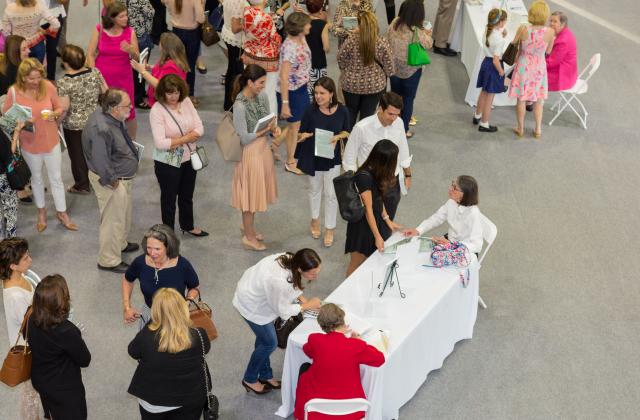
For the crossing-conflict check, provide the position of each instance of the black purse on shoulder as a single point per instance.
(18, 173)
(211, 410)
(349, 201)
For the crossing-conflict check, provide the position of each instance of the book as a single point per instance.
(349, 22)
(264, 122)
(140, 149)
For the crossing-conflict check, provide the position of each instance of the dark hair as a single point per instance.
(391, 99)
(328, 84)
(110, 14)
(252, 72)
(382, 163)
(12, 49)
(411, 14)
(469, 188)
(166, 235)
(330, 317)
(168, 84)
(73, 56)
(304, 260)
(314, 6)
(178, 6)
(296, 22)
(11, 252)
(51, 302)
(111, 98)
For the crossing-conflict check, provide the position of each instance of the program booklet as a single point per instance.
(264, 122)
(349, 22)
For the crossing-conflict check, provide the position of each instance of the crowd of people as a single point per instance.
(277, 88)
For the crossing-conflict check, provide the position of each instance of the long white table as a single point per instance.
(422, 328)
(466, 37)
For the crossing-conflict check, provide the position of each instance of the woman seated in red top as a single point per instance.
(335, 372)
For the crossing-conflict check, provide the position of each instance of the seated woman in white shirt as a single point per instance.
(460, 212)
(270, 289)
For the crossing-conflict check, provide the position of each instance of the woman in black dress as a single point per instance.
(374, 179)
(327, 114)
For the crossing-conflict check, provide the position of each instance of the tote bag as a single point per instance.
(416, 54)
(228, 139)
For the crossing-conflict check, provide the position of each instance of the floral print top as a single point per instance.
(529, 76)
(299, 55)
(83, 90)
(345, 8)
(399, 39)
(262, 39)
(358, 78)
(140, 16)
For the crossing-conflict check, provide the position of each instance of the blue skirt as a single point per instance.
(298, 103)
(489, 79)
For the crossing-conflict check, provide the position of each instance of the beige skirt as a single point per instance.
(254, 180)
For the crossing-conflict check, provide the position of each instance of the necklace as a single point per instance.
(157, 270)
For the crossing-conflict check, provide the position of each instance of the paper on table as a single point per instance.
(407, 252)
(323, 146)
(357, 324)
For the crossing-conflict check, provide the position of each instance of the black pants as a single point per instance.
(191, 40)
(78, 163)
(52, 51)
(392, 200)
(159, 25)
(234, 68)
(139, 90)
(176, 183)
(185, 412)
(390, 8)
(362, 105)
(303, 368)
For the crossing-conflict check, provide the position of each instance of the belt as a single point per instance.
(126, 178)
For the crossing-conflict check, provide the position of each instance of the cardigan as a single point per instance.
(562, 65)
(168, 379)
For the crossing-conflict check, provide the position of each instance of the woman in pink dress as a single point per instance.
(111, 48)
(529, 77)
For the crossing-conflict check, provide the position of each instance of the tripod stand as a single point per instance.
(392, 271)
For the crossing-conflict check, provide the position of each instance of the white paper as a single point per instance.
(407, 254)
(140, 148)
(144, 58)
(323, 146)
(264, 122)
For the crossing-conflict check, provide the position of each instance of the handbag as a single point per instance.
(211, 411)
(416, 53)
(16, 367)
(201, 316)
(284, 328)
(349, 200)
(228, 139)
(510, 54)
(198, 157)
(208, 33)
(452, 253)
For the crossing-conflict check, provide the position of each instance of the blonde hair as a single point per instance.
(494, 18)
(367, 36)
(24, 69)
(170, 318)
(539, 13)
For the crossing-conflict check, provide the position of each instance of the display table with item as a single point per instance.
(420, 329)
(466, 37)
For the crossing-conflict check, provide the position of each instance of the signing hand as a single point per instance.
(314, 304)
(130, 315)
(379, 243)
(303, 136)
(410, 232)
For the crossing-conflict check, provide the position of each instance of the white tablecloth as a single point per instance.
(466, 37)
(422, 329)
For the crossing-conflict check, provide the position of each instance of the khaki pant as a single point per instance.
(115, 219)
(444, 20)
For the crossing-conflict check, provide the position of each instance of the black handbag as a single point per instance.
(349, 201)
(510, 54)
(284, 328)
(18, 173)
(211, 410)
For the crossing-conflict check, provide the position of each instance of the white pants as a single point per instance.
(270, 90)
(52, 161)
(321, 182)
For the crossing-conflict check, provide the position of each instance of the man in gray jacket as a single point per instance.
(112, 159)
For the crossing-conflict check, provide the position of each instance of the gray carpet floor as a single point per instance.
(562, 331)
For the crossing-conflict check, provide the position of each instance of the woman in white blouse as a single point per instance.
(17, 295)
(460, 212)
(270, 289)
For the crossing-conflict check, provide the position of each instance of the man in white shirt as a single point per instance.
(384, 124)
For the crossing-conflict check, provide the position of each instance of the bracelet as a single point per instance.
(285, 102)
(385, 218)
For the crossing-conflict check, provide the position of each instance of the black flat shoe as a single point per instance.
(202, 70)
(26, 200)
(202, 233)
(120, 268)
(490, 129)
(448, 52)
(249, 389)
(476, 121)
(269, 384)
(131, 247)
(529, 107)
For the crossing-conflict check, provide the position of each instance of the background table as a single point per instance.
(423, 328)
(466, 37)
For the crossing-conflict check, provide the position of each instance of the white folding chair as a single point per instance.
(579, 88)
(489, 233)
(335, 407)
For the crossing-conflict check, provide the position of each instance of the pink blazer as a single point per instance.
(562, 63)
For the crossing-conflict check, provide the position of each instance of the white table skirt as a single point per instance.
(423, 329)
(469, 26)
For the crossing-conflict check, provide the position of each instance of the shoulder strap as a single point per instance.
(172, 117)
(24, 327)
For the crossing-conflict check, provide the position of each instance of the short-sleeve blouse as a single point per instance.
(83, 90)
(180, 277)
(299, 55)
(262, 39)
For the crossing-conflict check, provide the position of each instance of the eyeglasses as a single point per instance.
(128, 106)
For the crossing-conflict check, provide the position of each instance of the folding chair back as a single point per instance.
(335, 407)
(592, 67)
(489, 233)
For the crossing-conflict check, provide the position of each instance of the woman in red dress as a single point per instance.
(335, 372)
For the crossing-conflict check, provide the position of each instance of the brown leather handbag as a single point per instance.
(208, 33)
(201, 316)
(17, 365)
(511, 53)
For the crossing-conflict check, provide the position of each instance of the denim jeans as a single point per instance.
(259, 366)
(406, 88)
(38, 51)
(52, 51)
(191, 40)
(140, 92)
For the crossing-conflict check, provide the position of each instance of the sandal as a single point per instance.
(291, 167)
(519, 134)
(74, 190)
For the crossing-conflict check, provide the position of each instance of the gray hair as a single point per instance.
(166, 235)
(111, 98)
(330, 317)
(564, 20)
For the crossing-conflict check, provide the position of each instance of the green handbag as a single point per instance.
(416, 54)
